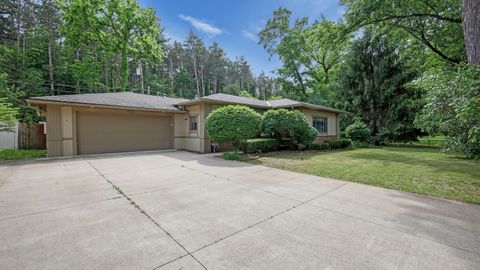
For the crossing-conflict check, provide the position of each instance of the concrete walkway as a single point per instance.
(178, 210)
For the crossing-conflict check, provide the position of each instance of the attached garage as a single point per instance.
(108, 132)
(108, 122)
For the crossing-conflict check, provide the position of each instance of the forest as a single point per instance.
(400, 68)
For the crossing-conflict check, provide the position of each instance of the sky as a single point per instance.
(234, 24)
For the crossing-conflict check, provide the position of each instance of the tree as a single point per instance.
(437, 25)
(452, 108)
(374, 86)
(7, 115)
(308, 53)
(118, 26)
(233, 124)
(471, 30)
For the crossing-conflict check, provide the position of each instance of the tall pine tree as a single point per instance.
(374, 86)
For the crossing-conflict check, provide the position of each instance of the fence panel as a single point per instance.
(8, 139)
(31, 136)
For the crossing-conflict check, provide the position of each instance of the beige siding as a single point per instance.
(195, 141)
(67, 131)
(54, 131)
(331, 118)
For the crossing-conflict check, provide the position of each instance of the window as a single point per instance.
(320, 124)
(193, 123)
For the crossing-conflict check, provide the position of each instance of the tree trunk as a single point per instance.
(50, 66)
(124, 68)
(471, 30)
(196, 75)
(203, 82)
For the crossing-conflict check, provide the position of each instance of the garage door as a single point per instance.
(109, 132)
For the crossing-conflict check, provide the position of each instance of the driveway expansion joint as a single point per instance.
(123, 194)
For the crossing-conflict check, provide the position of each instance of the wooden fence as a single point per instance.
(31, 136)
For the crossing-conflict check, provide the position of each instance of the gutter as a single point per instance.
(92, 105)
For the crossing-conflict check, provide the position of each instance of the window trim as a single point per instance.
(315, 119)
(190, 117)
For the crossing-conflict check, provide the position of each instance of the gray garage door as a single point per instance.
(109, 132)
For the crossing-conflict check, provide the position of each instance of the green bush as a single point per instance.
(288, 123)
(358, 131)
(331, 145)
(306, 136)
(231, 155)
(260, 145)
(233, 124)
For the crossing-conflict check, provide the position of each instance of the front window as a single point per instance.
(193, 123)
(320, 124)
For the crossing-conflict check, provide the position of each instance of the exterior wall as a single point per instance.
(185, 139)
(54, 131)
(333, 129)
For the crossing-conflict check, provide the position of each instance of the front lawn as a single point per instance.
(13, 154)
(413, 169)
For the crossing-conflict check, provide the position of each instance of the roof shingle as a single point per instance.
(140, 101)
(121, 99)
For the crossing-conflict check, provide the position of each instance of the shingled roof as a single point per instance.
(117, 99)
(252, 102)
(140, 101)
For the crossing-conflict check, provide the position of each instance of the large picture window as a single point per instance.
(320, 124)
(193, 123)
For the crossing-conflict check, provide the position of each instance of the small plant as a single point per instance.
(231, 155)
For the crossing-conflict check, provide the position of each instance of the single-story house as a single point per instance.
(121, 122)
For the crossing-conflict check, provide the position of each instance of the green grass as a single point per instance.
(434, 142)
(14, 154)
(413, 169)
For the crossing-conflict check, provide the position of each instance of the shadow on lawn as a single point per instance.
(449, 164)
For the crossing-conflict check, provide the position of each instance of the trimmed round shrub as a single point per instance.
(233, 124)
(306, 136)
(288, 123)
(358, 131)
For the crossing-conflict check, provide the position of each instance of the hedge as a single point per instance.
(331, 145)
(260, 145)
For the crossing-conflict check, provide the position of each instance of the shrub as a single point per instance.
(358, 131)
(231, 155)
(233, 124)
(260, 145)
(331, 145)
(287, 123)
(307, 136)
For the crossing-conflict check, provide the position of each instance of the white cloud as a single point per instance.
(249, 35)
(201, 26)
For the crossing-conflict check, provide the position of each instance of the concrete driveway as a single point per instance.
(178, 210)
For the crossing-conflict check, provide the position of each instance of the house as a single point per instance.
(121, 122)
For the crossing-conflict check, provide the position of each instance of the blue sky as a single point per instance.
(235, 24)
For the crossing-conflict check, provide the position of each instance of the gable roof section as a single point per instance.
(228, 99)
(252, 102)
(157, 103)
(117, 99)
